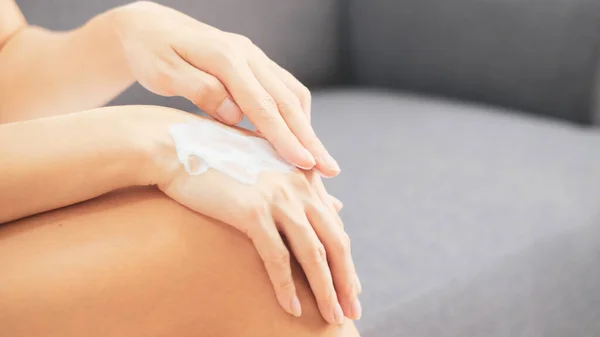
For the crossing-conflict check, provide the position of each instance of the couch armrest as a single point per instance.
(537, 56)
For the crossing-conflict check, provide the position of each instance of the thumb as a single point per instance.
(208, 94)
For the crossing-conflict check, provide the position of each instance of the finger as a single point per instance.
(228, 63)
(296, 87)
(311, 255)
(317, 184)
(291, 110)
(261, 109)
(276, 258)
(207, 93)
(337, 244)
(337, 204)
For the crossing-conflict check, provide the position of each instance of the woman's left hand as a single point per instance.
(224, 74)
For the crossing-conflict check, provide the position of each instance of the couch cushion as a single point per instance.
(466, 220)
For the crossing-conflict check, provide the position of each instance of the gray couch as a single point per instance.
(471, 169)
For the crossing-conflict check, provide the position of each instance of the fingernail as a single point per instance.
(307, 157)
(356, 309)
(229, 112)
(328, 161)
(295, 308)
(338, 314)
(321, 174)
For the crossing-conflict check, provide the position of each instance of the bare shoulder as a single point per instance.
(11, 20)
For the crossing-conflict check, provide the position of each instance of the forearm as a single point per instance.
(58, 161)
(44, 72)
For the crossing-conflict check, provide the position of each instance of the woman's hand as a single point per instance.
(224, 74)
(294, 204)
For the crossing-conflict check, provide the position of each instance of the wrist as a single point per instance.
(147, 128)
(111, 26)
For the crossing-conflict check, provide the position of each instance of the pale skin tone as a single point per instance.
(170, 54)
(102, 150)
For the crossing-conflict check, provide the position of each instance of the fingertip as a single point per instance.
(229, 112)
(295, 307)
(356, 309)
(338, 314)
(325, 172)
(305, 160)
(328, 166)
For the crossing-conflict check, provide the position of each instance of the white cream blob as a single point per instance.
(202, 145)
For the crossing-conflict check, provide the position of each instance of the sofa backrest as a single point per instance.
(301, 35)
(538, 56)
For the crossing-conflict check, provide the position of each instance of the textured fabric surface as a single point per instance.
(284, 29)
(537, 55)
(466, 220)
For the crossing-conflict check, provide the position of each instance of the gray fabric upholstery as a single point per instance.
(466, 220)
(284, 29)
(538, 56)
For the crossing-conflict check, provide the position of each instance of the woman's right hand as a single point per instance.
(224, 74)
(294, 204)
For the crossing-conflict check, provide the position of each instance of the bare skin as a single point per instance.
(54, 162)
(56, 151)
(170, 54)
(136, 263)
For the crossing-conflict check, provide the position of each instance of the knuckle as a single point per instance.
(241, 40)
(265, 105)
(299, 221)
(318, 208)
(286, 284)
(316, 255)
(300, 183)
(255, 210)
(342, 244)
(161, 75)
(225, 53)
(278, 259)
(304, 93)
(209, 88)
(289, 103)
(213, 86)
(144, 4)
(347, 290)
(283, 193)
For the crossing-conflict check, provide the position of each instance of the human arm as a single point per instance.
(58, 161)
(170, 54)
(45, 71)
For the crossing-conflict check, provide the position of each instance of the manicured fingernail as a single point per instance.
(338, 314)
(295, 308)
(307, 157)
(230, 112)
(328, 161)
(356, 309)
